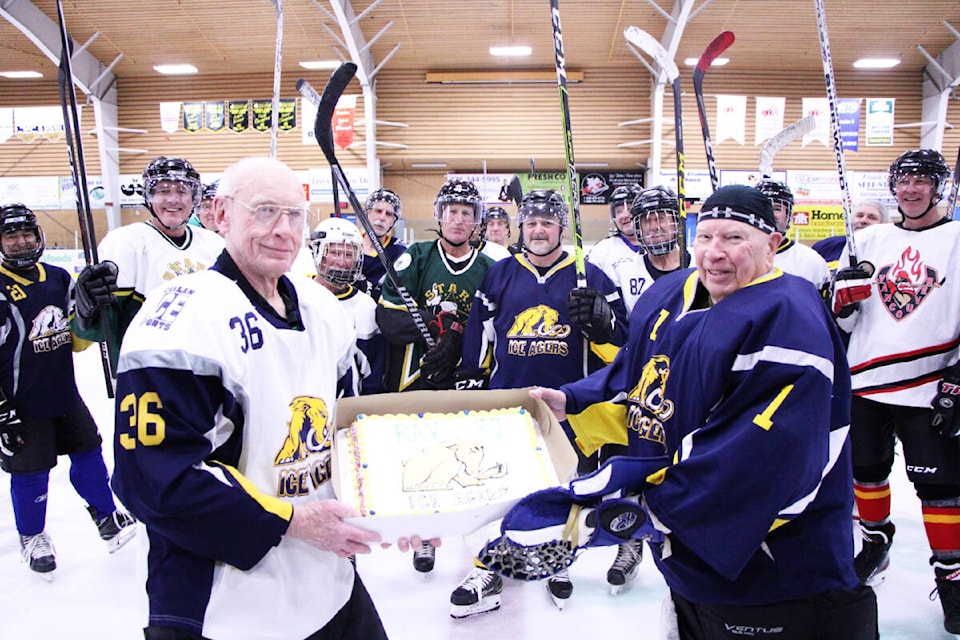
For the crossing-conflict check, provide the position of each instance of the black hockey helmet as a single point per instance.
(660, 202)
(623, 195)
(779, 193)
(542, 202)
(209, 191)
(459, 191)
(385, 195)
(17, 217)
(497, 213)
(921, 162)
(172, 169)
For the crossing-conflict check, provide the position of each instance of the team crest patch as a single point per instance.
(301, 470)
(168, 307)
(905, 285)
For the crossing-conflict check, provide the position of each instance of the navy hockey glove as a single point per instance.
(850, 286)
(11, 430)
(546, 531)
(946, 417)
(95, 287)
(592, 314)
(440, 363)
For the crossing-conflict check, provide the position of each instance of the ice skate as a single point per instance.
(424, 558)
(478, 593)
(560, 588)
(625, 566)
(874, 557)
(948, 588)
(39, 552)
(116, 529)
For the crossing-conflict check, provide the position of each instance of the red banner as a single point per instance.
(343, 121)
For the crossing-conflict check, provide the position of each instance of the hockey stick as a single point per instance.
(717, 46)
(952, 200)
(573, 181)
(835, 122)
(71, 128)
(649, 45)
(310, 94)
(323, 131)
(277, 62)
(786, 135)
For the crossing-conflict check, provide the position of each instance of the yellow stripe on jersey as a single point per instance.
(606, 352)
(599, 424)
(270, 504)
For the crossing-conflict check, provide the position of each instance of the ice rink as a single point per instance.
(97, 595)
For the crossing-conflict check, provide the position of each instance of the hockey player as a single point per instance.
(138, 257)
(42, 414)
(496, 223)
(531, 325)
(496, 251)
(618, 255)
(245, 537)
(900, 306)
(203, 215)
(733, 377)
(794, 257)
(336, 248)
(865, 213)
(383, 209)
(441, 276)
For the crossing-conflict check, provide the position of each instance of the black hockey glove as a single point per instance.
(592, 314)
(11, 430)
(946, 417)
(445, 321)
(850, 286)
(95, 286)
(471, 379)
(440, 363)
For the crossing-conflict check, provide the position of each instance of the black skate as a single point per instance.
(625, 566)
(874, 557)
(116, 529)
(948, 588)
(424, 558)
(560, 588)
(39, 552)
(478, 593)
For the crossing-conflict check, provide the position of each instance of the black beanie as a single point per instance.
(742, 203)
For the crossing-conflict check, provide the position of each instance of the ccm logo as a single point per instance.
(927, 470)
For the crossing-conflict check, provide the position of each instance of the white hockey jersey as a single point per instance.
(624, 265)
(800, 260)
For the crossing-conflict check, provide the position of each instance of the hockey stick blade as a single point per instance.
(717, 46)
(322, 128)
(786, 135)
(650, 46)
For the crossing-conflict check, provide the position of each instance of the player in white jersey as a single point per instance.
(137, 258)
(337, 254)
(494, 246)
(620, 255)
(900, 305)
(246, 540)
(793, 257)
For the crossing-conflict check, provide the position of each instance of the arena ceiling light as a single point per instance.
(319, 65)
(876, 63)
(175, 69)
(21, 75)
(717, 62)
(518, 51)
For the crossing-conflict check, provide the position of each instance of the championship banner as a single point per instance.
(192, 116)
(849, 111)
(33, 123)
(239, 115)
(170, 116)
(6, 123)
(596, 186)
(819, 108)
(262, 114)
(215, 115)
(879, 122)
(769, 118)
(731, 118)
(343, 120)
(287, 120)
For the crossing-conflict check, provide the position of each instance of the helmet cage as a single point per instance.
(921, 162)
(462, 192)
(656, 202)
(328, 235)
(17, 217)
(779, 193)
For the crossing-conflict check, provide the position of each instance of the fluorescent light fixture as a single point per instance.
(511, 52)
(717, 62)
(20, 75)
(175, 69)
(319, 65)
(876, 63)
(428, 165)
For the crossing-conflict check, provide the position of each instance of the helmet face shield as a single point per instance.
(21, 238)
(166, 174)
(458, 192)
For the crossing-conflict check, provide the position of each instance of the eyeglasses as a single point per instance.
(268, 214)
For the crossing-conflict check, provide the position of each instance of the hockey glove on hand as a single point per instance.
(546, 531)
(591, 312)
(95, 286)
(850, 286)
(945, 417)
(440, 363)
(443, 322)
(11, 430)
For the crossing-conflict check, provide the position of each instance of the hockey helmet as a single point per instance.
(779, 193)
(623, 195)
(660, 204)
(385, 195)
(545, 203)
(921, 162)
(17, 217)
(209, 191)
(337, 235)
(459, 191)
(174, 170)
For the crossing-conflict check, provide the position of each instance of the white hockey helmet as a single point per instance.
(340, 236)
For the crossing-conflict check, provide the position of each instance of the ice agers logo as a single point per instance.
(307, 431)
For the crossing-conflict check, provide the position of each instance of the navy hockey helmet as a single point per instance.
(545, 203)
(336, 238)
(174, 170)
(660, 205)
(621, 196)
(385, 195)
(779, 193)
(17, 217)
(497, 213)
(462, 192)
(921, 162)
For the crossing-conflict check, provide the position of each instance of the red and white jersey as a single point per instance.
(908, 330)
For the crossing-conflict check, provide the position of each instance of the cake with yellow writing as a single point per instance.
(400, 464)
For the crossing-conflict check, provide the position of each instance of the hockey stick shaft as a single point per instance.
(323, 131)
(786, 135)
(572, 178)
(835, 125)
(717, 46)
(310, 94)
(277, 65)
(71, 128)
(952, 200)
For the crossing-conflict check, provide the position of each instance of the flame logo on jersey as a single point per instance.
(307, 431)
(905, 285)
(49, 330)
(540, 321)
